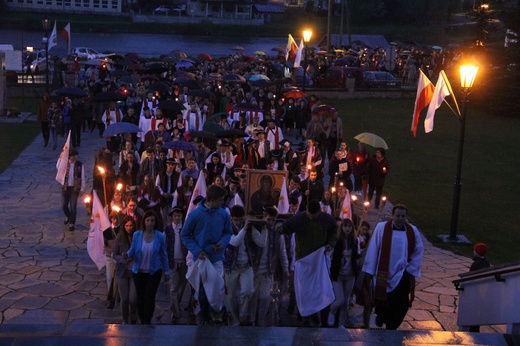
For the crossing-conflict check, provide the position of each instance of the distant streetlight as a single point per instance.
(307, 34)
(46, 24)
(467, 77)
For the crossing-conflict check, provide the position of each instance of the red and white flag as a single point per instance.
(283, 200)
(346, 210)
(424, 96)
(442, 89)
(199, 190)
(65, 34)
(98, 223)
(61, 164)
(291, 50)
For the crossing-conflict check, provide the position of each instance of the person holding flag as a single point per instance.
(73, 187)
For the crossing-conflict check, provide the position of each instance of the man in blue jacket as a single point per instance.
(206, 233)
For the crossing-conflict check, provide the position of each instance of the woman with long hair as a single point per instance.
(184, 193)
(123, 272)
(150, 261)
(214, 168)
(343, 271)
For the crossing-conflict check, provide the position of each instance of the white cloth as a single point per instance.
(398, 255)
(312, 286)
(203, 271)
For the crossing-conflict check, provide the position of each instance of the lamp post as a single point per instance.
(467, 77)
(307, 34)
(46, 24)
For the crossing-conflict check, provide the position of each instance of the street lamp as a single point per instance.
(307, 34)
(467, 77)
(46, 24)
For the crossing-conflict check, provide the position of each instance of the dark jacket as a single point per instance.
(337, 256)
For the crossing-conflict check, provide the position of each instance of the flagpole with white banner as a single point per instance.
(283, 200)
(63, 160)
(98, 223)
(199, 190)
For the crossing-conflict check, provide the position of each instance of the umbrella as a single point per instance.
(183, 74)
(180, 145)
(199, 93)
(179, 54)
(244, 107)
(237, 48)
(372, 139)
(149, 78)
(129, 79)
(118, 73)
(161, 87)
(233, 77)
(71, 92)
(183, 63)
(191, 84)
(231, 133)
(324, 109)
(259, 52)
(121, 127)
(258, 77)
(260, 83)
(108, 96)
(93, 62)
(201, 134)
(214, 76)
(213, 127)
(205, 57)
(295, 94)
(136, 67)
(437, 47)
(156, 67)
(171, 105)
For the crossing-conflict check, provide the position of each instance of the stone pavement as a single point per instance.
(47, 276)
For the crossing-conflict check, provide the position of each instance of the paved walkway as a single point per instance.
(47, 276)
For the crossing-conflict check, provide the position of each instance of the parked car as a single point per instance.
(380, 79)
(89, 53)
(38, 62)
(336, 77)
(163, 9)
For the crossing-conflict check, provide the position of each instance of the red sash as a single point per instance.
(384, 259)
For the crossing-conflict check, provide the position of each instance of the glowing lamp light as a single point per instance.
(87, 199)
(467, 75)
(307, 34)
(116, 209)
(101, 169)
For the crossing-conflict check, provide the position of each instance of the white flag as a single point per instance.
(61, 164)
(299, 52)
(199, 190)
(283, 200)
(53, 39)
(442, 89)
(346, 210)
(98, 223)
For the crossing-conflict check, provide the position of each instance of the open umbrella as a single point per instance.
(171, 105)
(191, 84)
(108, 96)
(183, 63)
(161, 87)
(372, 139)
(200, 93)
(70, 92)
(201, 134)
(204, 57)
(258, 77)
(180, 145)
(233, 77)
(136, 67)
(156, 68)
(151, 79)
(244, 107)
(295, 94)
(231, 133)
(133, 56)
(237, 48)
(213, 127)
(214, 76)
(179, 54)
(259, 52)
(129, 79)
(121, 127)
(183, 74)
(260, 83)
(324, 109)
(437, 47)
(127, 62)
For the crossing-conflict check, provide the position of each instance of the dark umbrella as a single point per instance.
(108, 96)
(191, 84)
(214, 76)
(183, 74)
(71, 92)
(121, 127)
(202, 134)
(233, 77)
(237, 48)
(161, 87)
(231, 133)
(260, 83)
(179, 54)
(136, 67)
(156, 68)
(150, 79)
(217, 117)
(283, 80)
(200, 93)
(170, 105)
(119, 73)
(324, 109)
(129, 79)
(213, 127)
(244, 107)
(180, 145)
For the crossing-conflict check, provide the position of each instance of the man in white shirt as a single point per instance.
(392, 262)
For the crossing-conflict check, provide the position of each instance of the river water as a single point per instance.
(147, 45)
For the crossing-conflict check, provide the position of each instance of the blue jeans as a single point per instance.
(69, 203)
(53, 136)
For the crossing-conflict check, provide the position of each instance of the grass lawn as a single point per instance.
(423, 171)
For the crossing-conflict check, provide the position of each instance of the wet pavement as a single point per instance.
(47, 277)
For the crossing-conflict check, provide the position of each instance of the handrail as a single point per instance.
(495, 271)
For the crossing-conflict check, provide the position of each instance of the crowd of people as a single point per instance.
(239, 256)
